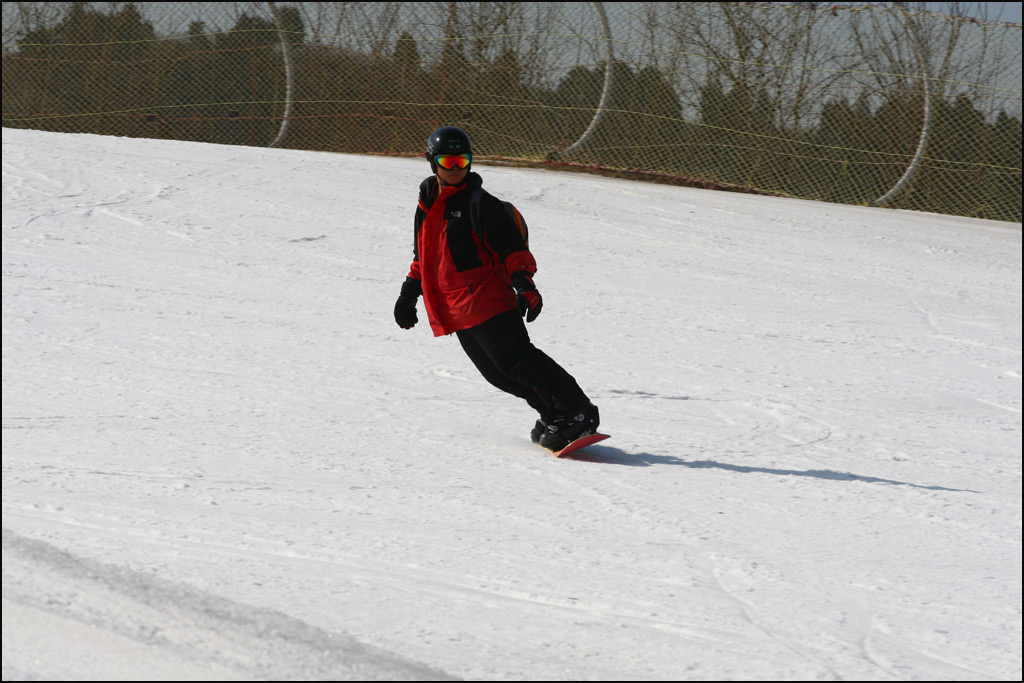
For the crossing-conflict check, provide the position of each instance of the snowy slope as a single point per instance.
(815, 469)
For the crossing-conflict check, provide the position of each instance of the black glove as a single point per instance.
(530, 301)
(405, 307)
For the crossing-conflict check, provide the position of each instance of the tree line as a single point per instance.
(107, 73)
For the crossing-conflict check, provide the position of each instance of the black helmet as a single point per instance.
(447, 140)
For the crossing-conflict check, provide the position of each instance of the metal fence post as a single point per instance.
(926, 125)
(289, 78)
(606, 93)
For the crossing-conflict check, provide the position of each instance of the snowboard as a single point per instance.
(579, 443)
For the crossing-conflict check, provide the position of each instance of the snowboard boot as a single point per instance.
(565, 428)
(537, 430)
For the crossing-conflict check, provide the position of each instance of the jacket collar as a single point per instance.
(430, 189)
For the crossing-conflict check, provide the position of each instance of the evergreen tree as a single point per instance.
(642, 113)
(86, 64)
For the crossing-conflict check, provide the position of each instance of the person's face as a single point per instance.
(452, 177)
(452, 168)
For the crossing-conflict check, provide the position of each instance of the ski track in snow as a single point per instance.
(158, 630)
(216, 441)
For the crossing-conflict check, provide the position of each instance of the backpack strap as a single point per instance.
(474, 209)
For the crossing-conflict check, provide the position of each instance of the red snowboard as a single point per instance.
(579, 443)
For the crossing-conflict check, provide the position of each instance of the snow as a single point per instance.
(223, 459)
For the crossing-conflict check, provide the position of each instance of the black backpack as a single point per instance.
(510, 210)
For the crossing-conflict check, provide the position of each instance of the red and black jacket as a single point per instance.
(465, 273)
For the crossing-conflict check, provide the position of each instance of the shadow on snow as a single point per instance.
(615, 456)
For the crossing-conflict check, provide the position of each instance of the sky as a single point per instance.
(987, 11)
(223, 460)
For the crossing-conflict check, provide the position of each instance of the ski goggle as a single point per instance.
(450, 162)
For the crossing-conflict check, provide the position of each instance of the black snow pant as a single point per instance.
(501, 350)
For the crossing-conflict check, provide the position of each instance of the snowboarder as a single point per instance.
(476, 279)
